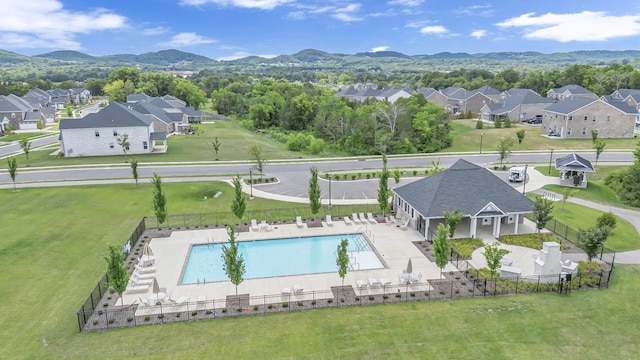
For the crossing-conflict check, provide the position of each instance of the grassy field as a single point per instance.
(467, 138)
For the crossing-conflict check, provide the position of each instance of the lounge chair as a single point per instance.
(145, 269)
(286, 291)
(264, 226)
(135, 281)
(202, 301)
(348, 221)
(137, 288)
(362, 285)
(417, 279)
(384, 282)
(297, 289)
(405, 224)
(362, 218)
(374, 283)
(254, 225)
(145, 302)
(356, 219)
(299, 222)
(141, 276)
(329, 220)
(180, 300)
(371, 218)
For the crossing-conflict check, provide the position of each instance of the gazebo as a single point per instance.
(573, 170)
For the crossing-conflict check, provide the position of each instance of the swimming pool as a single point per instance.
(280, 257)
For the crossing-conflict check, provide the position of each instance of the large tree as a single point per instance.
(314, 192)
(13, 170)
(232, 260)
(542, 212)
(342, 259)
(383, 187)
(239, 203)
(117, 273)
(159, 200)
(441, 247)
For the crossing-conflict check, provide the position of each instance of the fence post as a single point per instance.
(484, 288)
(517, 282)
(600, 281)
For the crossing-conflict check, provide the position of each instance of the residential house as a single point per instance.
(16, 110)
(630, 96)
(392, 94)
(486, 201)
(517, 105)
(174, 101)
(434, 96)
(570, 91)
(161, 120)
(97, 134)
(576, 118)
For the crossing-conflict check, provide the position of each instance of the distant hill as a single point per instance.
(379, 54)
(67, 55)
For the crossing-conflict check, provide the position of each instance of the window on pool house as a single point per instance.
(144, 145)
(115, 132)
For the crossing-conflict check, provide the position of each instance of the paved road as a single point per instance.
(14, 147)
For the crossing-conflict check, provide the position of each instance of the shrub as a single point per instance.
(426, 293)
(341, 300)
(412, 294)
(95, 322)
(100, 312)
(208, 312)
(194, 313)
(161, 316)
(357, 298)
(371, 298)
(385, 296)
(498, 123)
(415, 172)
(239, 309)
(507, 123)
(178, 315)
(353, 177)
(300, 303)
(398, 295)
(606, 219)
(313, 302)
(105, 304)
(285, 305)
(479, 124)
(368, 176)
(130, 319)
(112, 320)
(329, 301)
(337, 176)
(441, 292)
(224, 310)
(147, 318)
(255, 307)
(269, 306)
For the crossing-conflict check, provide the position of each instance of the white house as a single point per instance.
(97, 134)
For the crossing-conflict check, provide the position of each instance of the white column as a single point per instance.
(472, 228)
(426, 228)
(517, 220)
(493, 226)
(498, 218)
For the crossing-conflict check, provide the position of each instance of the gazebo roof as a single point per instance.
(574, 162)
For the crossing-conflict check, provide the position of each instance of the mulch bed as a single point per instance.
(314, 223)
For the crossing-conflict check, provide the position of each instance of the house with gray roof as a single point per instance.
(570, 91)
(575, 118)
(97, 134)
(573, 170)
(16, 110)
(486, 201)
(516, 105)
(630, 96)
(434, 96)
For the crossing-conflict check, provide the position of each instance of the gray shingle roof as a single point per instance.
(570, 105)
(146, 108)
(511, 102)
(113, 115)
(574, 162)
(574, 89)
(465, 186)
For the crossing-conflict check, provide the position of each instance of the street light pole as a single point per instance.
(481, 135)
(524, 185)
(251, 183)
(329, 176)
(550, 158)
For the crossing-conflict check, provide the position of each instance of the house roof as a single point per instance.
(147, 108)
(173, 98)
(137, 97)
(14, 103)
(113, 115)
(574, 89)
(509, 103)
(465, 186)
(574, 162)
(159, 135)
(485, 90)
(570, 105)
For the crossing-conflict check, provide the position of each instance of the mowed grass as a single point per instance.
(51, 255)
(467, 138)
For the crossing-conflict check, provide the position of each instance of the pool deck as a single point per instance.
(393, 245)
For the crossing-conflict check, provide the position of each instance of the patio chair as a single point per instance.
(145, 302)
(371, 218)
(135, 281)
(362, 218)
(137, 288)
(384, 282)
(299, 222)
(362, 285)
(417, 279)
(264, 225)
(356, 219)
(297, 289)
(374, 283)
(286, 291)
(348, 221)
(180, 300)
(145, 269)
(405, 224)
(141, 276)
(329, 220)
(254, 225)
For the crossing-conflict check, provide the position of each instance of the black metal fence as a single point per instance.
(93, 301)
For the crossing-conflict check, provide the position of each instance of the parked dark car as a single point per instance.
(535, 120)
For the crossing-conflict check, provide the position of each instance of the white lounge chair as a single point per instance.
(297, 289)
(137, 288)
(371, 218)
(254, 225)
(384, 282)
(362, 218)
(145, 269)
(180, 300)
(135, 281)
(329, 220)
(286, 291)
(348, 221)
(373, 283)
(362, 285)
(355, 218)
(299, 222)
(141, 276)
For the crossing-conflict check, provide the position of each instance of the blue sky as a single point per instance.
(228, 29)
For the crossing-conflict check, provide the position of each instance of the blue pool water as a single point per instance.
(268, 258)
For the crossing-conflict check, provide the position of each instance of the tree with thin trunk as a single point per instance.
(599, 146)
(493, 254)
(216, 146)
(396, 176)
(520, 134)
(567, 192)
(232, 260)
(116, 271)
(134, 170)
(542, 212)
(594, 136)
(593, 239)
(342, 259)
(504, 149)
(452, 220)
(255, 151)
(13, 170)
(123, 141)
(25, 144)
(314, 192)
(239, 202)
(159, 200)
(383, 187)
(441, 247)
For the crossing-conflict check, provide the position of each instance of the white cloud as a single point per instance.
(158, 30)
(308, 10)
(434, 30)
(584, 26)
(380, 48)
(477, 10)
(346, 13)
(249, 4)
(408, 3)
(417, 24)
(478, 34)
(46, 24)
(187, 39)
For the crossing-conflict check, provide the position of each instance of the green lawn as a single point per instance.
(27, 135)
(467, 138)
(51, 256)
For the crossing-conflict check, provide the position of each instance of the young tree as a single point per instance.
(507, 123)
(493, 254)
(314, 192)
(452, 220)
(123, 141)
(232, 260)
(594, 136)
(383, 187)
(69, 110)
(255, 152)
(134, 170)
(606, 220)
(567, 192)
(441, 247)
(593, 239)
(216, 146)
(520, 134)
(599, 146)
(239, 202)
(13, 170)
(342, 259)
(479, 124)
(504, 149)
(498, 123)
(116, 271)
(542, 212)
(159, 199)
(25, 144)
(396, 176)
